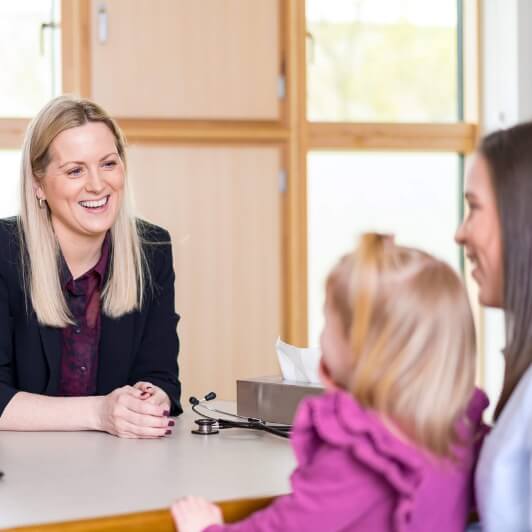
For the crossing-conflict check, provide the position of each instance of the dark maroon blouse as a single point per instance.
(80, 342)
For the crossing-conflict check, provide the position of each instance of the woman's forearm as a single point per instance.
(28, 411)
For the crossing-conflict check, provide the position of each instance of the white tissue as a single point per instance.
(298, 364)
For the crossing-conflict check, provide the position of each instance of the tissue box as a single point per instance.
(272, 399)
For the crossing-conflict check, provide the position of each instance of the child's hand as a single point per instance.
(194, 514)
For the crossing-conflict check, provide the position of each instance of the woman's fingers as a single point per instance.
(147, 389)
(124, 413)
(145, 420)
(158, 398)
(141, 406)
(152, 393)
(138, 431)
(143, 385)
(134, 391)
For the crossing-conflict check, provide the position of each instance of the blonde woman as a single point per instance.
(392, 444)
(87, 322)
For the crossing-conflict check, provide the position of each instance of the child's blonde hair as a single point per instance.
(410, 329)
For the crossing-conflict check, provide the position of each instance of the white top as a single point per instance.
(59, 476)
(504, 470)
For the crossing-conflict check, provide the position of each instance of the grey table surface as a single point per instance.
(61, 476)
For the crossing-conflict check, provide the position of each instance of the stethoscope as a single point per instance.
(211, 425)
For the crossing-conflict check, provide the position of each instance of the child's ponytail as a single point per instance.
(371, 260)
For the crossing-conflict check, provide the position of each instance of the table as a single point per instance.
(61, 476)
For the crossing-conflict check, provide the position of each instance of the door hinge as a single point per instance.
(281, 86)
(103, 24)
(282, 181)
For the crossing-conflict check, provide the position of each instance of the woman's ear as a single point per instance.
(38, 190)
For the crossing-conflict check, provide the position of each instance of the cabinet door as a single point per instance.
(222, 208)
(190, 59)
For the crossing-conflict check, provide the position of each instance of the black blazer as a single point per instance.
(142, 345)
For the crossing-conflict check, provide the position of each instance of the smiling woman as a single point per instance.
(86, 289)
(497, 237)
(83, 189)
(480, 234)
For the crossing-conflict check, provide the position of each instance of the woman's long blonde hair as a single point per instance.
(40, 251)
(410, 329)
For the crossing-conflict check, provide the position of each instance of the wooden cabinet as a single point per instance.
(222, 208)
(186, 59)
(186, 65)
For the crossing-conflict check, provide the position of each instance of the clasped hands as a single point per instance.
(139, 411)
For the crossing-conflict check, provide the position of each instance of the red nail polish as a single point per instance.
(168, 432)
(171, 423)
(166, 413)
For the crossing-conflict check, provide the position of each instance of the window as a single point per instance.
(395, 193)
(382, 73)
(29, 77)
(30, 71)
(382, 60)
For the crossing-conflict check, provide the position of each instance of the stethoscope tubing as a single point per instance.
(203, 404)
(249, 423)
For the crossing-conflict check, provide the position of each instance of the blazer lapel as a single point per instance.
(51, 341)
(116, 352)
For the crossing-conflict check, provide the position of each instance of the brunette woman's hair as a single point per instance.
(508, 154)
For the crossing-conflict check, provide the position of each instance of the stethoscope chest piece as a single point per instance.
(206, 426)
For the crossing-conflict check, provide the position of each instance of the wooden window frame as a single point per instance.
(292, 132)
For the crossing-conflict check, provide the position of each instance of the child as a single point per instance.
(392, 444)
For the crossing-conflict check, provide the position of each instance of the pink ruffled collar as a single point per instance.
(337, 419)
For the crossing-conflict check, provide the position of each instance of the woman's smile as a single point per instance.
(95, 206)
(84, 182)
(480, 234)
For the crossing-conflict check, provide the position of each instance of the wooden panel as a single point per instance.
(203, 131)
(295, 212)
(472, 62)
(183, 59)
(374, 136)
(412, 137)
(12, 132)
(156, 521)
(75, 41)
(221, 206)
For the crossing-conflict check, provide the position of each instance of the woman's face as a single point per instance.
(480, 234)
(84, 181)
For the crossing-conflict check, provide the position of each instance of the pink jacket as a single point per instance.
(355, 475)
